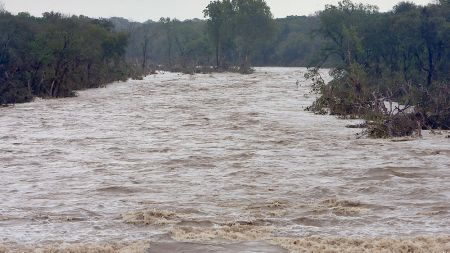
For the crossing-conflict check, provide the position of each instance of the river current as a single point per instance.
(212, 163)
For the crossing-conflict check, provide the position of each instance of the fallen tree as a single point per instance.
(397, 79)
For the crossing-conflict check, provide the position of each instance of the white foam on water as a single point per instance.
(210, 150)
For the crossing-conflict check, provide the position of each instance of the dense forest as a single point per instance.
(54, 55)
(174, 42)
(393, 68)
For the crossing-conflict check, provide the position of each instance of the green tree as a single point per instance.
(401, 56)
(55, 55)
(253, 25)
(220, 15)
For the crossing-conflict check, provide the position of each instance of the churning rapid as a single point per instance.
(213, 163)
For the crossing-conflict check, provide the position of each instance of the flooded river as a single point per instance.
(213, 163)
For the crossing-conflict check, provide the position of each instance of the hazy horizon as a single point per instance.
(142, 10)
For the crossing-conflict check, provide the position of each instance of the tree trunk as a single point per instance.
(430, 66)
(144, 54)
(217, 53)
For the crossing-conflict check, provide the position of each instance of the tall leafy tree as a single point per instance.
(254, 25)
(249, 23)
(220, 17)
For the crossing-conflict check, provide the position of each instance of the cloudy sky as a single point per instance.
(142, 10)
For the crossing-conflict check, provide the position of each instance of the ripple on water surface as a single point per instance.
(215, 162)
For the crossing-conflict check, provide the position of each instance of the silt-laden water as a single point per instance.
(228, 159)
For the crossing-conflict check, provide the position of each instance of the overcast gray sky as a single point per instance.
(142, 10)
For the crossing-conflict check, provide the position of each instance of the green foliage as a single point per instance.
(220, 25)
(254, 25)
(220, 41)
(401, 56)
(246, 24)
(212, 43)
(55, 55)
(167, 43)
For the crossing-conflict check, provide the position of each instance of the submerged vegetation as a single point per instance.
(393, 69)
(54, 55)
(227, 40)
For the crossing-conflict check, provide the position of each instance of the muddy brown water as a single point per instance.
(211, 163)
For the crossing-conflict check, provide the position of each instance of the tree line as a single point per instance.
(233, 36)
(400, 56)
(54, 55)
(232, 33)
(377, 58)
